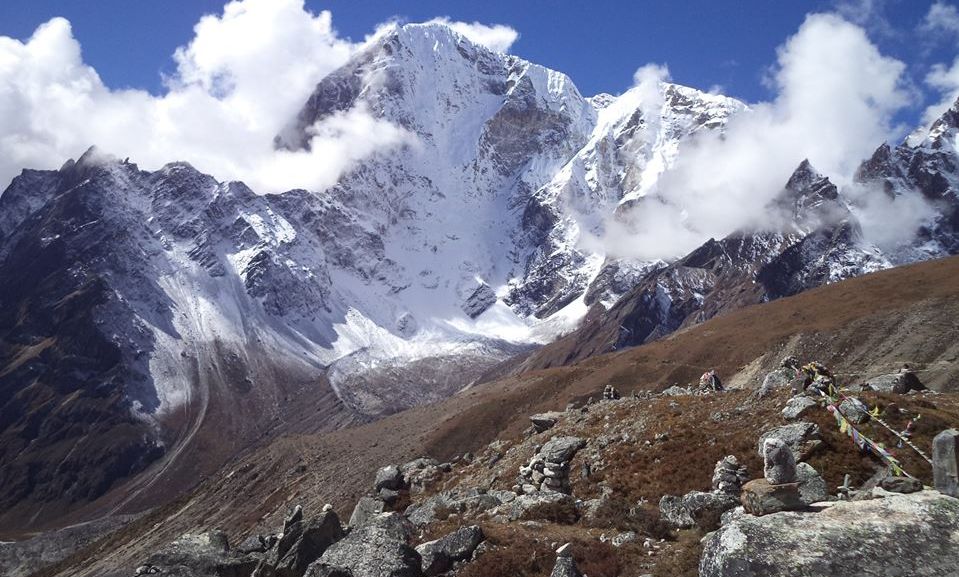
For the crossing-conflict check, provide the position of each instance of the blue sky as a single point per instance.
(600, 44)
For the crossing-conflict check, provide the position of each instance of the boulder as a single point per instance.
(205, 554)
(561, 449)
(388, 477)
(778, 379)
(544, 421)
(900, 383)
(760, 497)
(802, 437)
(301, 544)
(472, 502)
(257, 544)
(797, 407)
(901, 485)
(365, 509)
(558, 507)
(854, 410)
(812, 487)
(915, 535)
(377, 549)
(388, 496)
(438, 556)
(945, 462)
(696, 509)
(313, 537)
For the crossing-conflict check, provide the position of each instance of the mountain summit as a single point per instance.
(158, 316)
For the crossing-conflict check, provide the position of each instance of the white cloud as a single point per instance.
(867, 14)
(497, 37)
(944, 80)
(836, 96)
(238, 83)
(942, 22)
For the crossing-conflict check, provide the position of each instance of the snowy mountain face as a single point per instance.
(927, 164)
(413, 276)
(134, 305)
(816, 240)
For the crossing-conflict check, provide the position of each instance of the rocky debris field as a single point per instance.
(764, 481)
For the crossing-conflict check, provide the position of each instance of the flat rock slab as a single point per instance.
(897, 535)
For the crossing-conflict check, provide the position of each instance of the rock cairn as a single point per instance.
(610, 393)
(729, 476)
(548, 470)
(705, 510)
(778, 490)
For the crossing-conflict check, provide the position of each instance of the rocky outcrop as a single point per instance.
(696, 509)
(302, 542)
(916, 535)
(440, 555)
(203, 554)
(378, 549)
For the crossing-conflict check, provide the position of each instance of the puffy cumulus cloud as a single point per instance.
(941, 22)
(237, 84)
(836, 97)
(497, 37)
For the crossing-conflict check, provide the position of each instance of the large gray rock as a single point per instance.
(388, 477)
(378, 549)
(696, 509)
(900, 383)
(544, 421)
(302, 543)
(204, 554)
(438, 556)
(899, 535)
(802, 438)
(854, 410)
(471, 502)
(812, 487)
(561, 449)
(945, 462)
(901, 484)
(779, 465)
(797, 407)
(365, 509)
(778, 379)
(549, 505)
